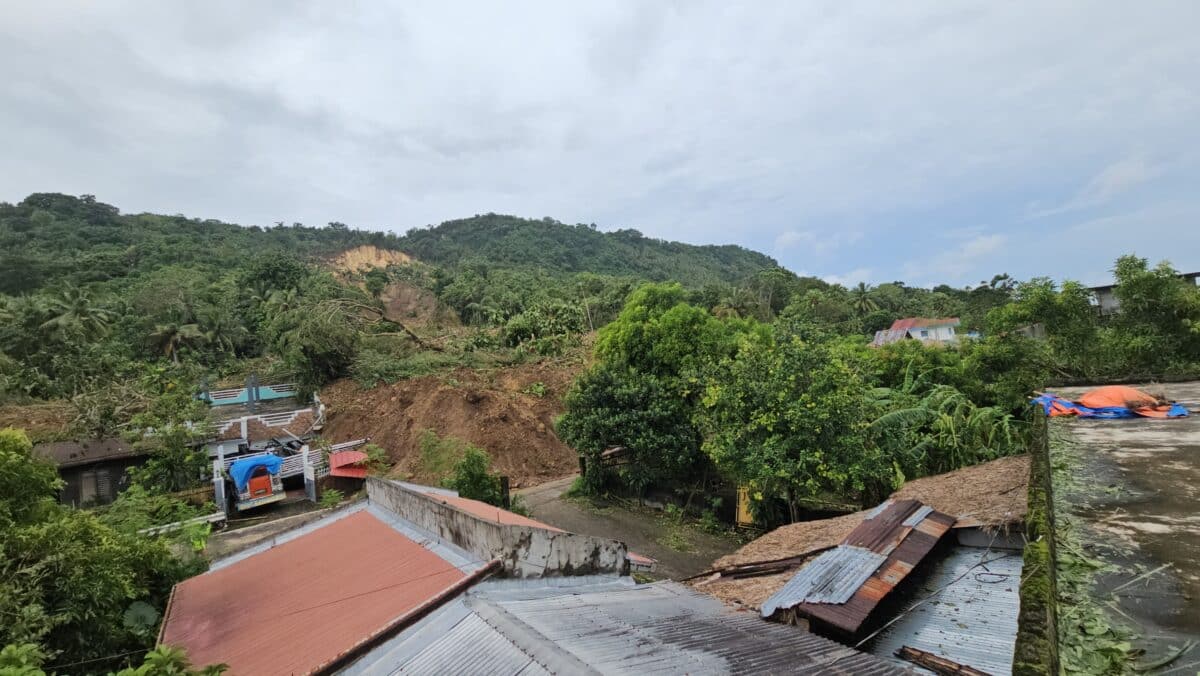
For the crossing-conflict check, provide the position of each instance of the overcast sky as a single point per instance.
(926, 141)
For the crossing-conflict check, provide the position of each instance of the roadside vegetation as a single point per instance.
(713, 367)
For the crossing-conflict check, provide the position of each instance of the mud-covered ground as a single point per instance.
(1134, 487)
(680, 549)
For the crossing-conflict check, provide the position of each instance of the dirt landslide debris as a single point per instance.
(366, 257)
(498, 410)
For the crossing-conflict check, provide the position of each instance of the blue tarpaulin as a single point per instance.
(1054, 405)
(241, 470)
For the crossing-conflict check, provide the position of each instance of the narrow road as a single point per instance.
(643, 530)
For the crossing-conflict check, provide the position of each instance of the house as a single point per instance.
(918, 328)
(417, 580)
(1106, 296)
(94, 471)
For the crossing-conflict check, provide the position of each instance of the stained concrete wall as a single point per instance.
(525, 551)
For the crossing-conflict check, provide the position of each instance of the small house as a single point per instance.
(94, 471)
(919, 328)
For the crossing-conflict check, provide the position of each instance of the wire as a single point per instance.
(983, 561)
(97, 659)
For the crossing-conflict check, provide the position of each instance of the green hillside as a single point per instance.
(550, 245)
(49, 238)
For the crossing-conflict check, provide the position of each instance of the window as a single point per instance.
(924, 333)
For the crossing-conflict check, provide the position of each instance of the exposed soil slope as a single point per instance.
(368, 256)
(415, 307)
(485, 408)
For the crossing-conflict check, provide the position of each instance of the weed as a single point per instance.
(537, 389)
(438, 454)
(331, 497)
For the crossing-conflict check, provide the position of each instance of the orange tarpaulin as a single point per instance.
(1111, 396)
(1111, 401)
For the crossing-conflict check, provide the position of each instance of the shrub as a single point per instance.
(473, 479)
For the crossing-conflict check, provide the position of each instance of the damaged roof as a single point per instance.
(991, 495)
(841, 587)
(605, 625)
(965, 610)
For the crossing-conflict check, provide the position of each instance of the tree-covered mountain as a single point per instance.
(550, 245)
(49, 238)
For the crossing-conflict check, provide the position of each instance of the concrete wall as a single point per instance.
(525, 551)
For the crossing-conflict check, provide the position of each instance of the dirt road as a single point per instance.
(681, 550)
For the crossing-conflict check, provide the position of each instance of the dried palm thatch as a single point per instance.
(990, 495)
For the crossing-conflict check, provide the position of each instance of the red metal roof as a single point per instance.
(343, 464)
(299, 605)
(922, 322)
(885, 533)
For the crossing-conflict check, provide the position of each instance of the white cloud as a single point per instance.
(953, 265)
(704, 121)
(851, 278)
(1112, 181)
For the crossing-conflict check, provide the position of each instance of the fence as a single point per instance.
(243, 395)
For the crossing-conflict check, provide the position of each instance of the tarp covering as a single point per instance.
(241, 470)
(1111, 401)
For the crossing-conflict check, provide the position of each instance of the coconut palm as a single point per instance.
(861, 300)
(73, 312)
(172, 337)
(222, 331)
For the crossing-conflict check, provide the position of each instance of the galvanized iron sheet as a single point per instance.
(606, 626)
(972, 620)
(832, 577)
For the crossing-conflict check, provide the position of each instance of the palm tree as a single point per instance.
(283, 301)
(861, 300)
(171, 338)
(222, 331)
(73, 312)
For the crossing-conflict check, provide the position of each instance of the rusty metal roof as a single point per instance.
(890, 542)
(297, 606)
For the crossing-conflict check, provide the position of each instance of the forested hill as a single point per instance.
(550, 245)
(49, 238)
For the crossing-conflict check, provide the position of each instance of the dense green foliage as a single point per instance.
(72, 577)
(644, 389)
(28, 659)
(546, 244)
(790, 409)
(473, 478)
(1156, 332)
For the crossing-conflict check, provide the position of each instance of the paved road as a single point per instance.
(643, 530)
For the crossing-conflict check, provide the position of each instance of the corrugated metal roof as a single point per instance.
(87, 451)
(832, 577)
(348, 464)
(298, 605)
(902, 532)
(973, 620)
(607, 626)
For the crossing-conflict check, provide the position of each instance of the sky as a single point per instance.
(933, 142)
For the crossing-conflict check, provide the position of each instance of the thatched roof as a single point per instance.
(990, 495)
